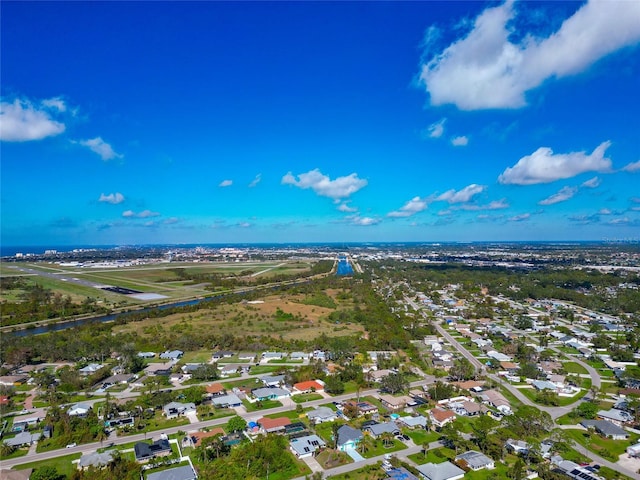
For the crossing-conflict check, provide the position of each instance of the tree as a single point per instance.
(587, 410)
(333, 385)
(205, 372)
(517, 471)
(481, 429)
(194, 394)
(462, 369)
(394, 383)
(236, 424)
(6, 449)
(47, 473)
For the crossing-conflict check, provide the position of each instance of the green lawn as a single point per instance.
(62, 464)
(380, 449)
(420, 437)
(365, 473)
(20, 452)
(260, 369)
(306, 397)
(437, 455)
(264, 405)
(501, 471)
(573, 367)
(605, 447)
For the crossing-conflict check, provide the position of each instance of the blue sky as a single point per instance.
(206, 122)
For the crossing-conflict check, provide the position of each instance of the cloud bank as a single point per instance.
(341, 187)
(23, 121)
(543, 166)
(487, 70)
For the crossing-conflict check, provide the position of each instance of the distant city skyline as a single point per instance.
(251, 122)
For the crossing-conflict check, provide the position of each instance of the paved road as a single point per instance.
(91, 447)
(555, 412)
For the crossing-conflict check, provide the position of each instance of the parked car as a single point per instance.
(71, 445)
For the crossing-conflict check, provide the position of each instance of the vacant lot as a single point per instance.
(278, 315)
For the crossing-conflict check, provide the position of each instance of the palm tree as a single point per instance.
(387, 438)
(365, 444)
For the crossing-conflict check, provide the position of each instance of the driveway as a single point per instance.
(354, 454)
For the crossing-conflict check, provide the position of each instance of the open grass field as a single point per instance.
(62, 464)
(279, 315)
(163, 279)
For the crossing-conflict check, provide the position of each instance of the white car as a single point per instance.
(71, 445)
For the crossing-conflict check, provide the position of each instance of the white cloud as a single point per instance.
(112, 198)
(460, 141)
(362, 221)
(99, 146)
(142, 214)
(564, 194)
(435, 130)
(225, 183)
(244, 225)
(341, 187)
(604, 211)
(543, 166)
(520, 218)
(344, 207)
(485, 69)
(56, 103)
(256, 180)
(591, 183)
(494, 205)
(171, 221)
(463, 195)
(632, 167)
(413, 206)
(22, 121)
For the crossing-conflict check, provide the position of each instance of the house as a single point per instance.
(615, 416)
(189, 368)
(23, 438)
(475, 460)
(146, 451)
(226, 401)
(273, 393)
(11, 380)
(119, 378)
(90, 369)
(379, 429)
(228, 370)
(439, 417)
(306, 387)
(606, 429)
(498, 357)
(23, 422)
(634, 450)
(544, 385)
(497, 400)
(299, 356)
(221, 354)
(96, 460)
(295, 428)
(413, 422)
(185, 472)
(197, 437)
(348, 438)
(159, 369)
(172, 355)
(215, 389)
(272, 380)
(471, 385)
(303, 447)
(363, 408)
(271, 425)
(573, 470)
(519, 447)
(16, 474)
(395, 403)
(378, 375)
(79, 410)
(440, 471)
(175, 409)
(322, 414)
(146, 354)
(267, 356)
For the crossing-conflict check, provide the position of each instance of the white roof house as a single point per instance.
(304, 447)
